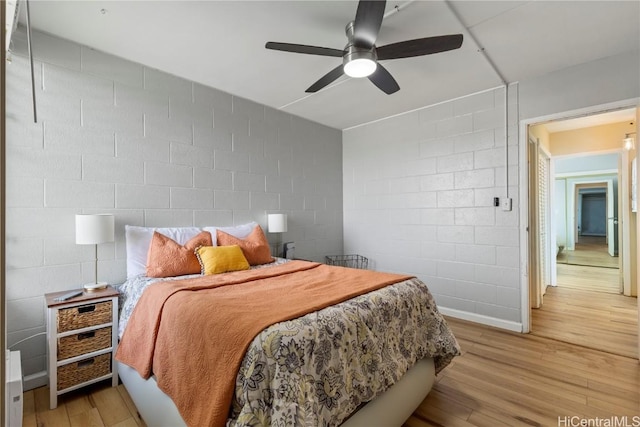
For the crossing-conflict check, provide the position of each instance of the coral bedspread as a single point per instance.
(165, 332)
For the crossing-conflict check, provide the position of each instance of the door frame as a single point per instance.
(579, 204)
(541, 254)
(525, 242)
(607, 185)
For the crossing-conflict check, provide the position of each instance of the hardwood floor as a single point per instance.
(501, 379)
(511, 379)
(588, 309)
(99, 405)
(596, 320)
(587, 278)
(589, 251)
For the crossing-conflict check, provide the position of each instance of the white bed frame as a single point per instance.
(392, 408)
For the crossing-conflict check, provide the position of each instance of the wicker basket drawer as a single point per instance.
(83, 343)
(83, 316)
(84, 370)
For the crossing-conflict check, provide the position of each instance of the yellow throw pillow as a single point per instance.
(221, 259)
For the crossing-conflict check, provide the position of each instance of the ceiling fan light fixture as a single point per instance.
(359, 62)
(361, 67)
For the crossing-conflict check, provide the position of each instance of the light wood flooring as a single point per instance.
(596, 320)
(588, 309)
(587, 278)
(98, 405)
(501, 379)
(591, 251)
(511, 379)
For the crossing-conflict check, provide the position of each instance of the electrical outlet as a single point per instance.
(496, 201)
(506, 204)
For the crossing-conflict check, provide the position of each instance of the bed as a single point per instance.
(369, 358)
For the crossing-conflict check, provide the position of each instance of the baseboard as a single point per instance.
(39, 379)
(479, 318)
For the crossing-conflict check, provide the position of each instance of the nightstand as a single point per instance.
(82, 335)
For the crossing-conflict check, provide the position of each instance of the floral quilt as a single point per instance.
(318, 369)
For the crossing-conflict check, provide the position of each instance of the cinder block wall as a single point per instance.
(418, 191)
(117, 137)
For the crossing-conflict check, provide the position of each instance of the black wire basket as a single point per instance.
(351, 261)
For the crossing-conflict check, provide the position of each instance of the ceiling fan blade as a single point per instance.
(384, 80)
(418, 47)
(326, 79)
(303, 48)
(368, 21)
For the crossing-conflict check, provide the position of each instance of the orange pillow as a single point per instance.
(167, 258)
(255, 246)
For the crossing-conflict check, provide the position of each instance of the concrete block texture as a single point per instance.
(191, 198)
(435, 180)
(142, 197)
(168, 174)
(82, 194)
(50, 49)
(115, 136)
(111, 67)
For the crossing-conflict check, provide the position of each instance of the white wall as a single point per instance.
(586, 163)
(155, 150)
(418, 198)
(560, 212)
(418, 187)
(599, 82)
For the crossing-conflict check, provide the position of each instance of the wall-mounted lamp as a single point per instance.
(628, 142)
(92, 230)
(277, 223)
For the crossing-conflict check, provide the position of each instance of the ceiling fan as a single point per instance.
(360, 56)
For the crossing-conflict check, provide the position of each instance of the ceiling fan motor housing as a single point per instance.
(352, 53)
(360, 54)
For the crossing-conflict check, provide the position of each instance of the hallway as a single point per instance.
(590, 251)
(587, 278)
(590, 319)
(587, 307)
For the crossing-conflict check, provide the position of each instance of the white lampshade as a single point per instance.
(277, 223)
(94, 229)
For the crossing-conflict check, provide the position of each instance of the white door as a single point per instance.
(544, 216)
(612, 221)
(535, 296)
(539, 223)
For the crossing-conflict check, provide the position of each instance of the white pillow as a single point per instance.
(240, 231)
(138, 240)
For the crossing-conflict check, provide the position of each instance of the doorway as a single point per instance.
(591, 262)
(586, 282)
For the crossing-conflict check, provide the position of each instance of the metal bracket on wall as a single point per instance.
(33, 80)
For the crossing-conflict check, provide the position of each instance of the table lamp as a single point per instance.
(94, 229)
(277, 223)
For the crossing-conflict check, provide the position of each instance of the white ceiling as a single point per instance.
(221, 44)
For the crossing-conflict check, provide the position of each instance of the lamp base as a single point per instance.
(90, 287)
